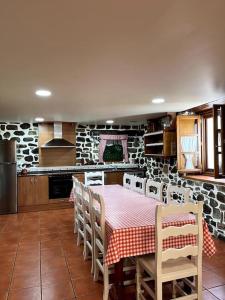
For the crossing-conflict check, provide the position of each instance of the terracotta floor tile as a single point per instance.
(219, 292)
(3, 294)
(83, 287)
(33, 293)
(50, 244)
(55, 276)
(92, 296)
(211, 279)
(4, 282)
(23, 269)
(58, 291)
(25, 281)
(206, 295)
(48, 265)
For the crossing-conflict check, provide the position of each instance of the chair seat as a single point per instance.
(171, 269)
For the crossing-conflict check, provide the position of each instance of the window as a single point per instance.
(209, 144)
(212, 145)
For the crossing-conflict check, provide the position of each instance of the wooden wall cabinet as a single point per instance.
(32, 190)
(160, 143)
(189, 127)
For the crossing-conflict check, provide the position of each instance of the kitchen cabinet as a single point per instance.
(115, 177)
(160, 138)
(79, 176)
(189, 158)
(32, 190)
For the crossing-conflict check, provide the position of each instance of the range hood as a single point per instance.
(58, 140)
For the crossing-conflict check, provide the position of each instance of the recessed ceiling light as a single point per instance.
(39, 119)
(43, 93)
(158, 100)
(109, 121)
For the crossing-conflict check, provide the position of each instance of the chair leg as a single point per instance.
(174, 289)
(158, 289)
(138, 279)
(96, 267)
(198, 282)
(106, 283)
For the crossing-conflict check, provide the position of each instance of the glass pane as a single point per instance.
(209, 143)
(219, 121)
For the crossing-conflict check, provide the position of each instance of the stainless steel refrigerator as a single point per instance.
(8, 177)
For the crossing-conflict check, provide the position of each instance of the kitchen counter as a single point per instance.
(81, 169)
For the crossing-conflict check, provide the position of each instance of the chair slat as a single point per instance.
(173, 253)
(175, 209)
(176, 230)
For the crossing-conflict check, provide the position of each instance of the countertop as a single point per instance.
(80, 169)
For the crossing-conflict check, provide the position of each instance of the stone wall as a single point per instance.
(213, 195)
(87, 141)
(87, 137)
(26, 135)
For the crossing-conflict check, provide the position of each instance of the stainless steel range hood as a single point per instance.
(58, 140)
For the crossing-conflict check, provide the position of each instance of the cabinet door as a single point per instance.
(25, 190)
(79, 176)
(114, 178)
(40, 188)
(189, 158)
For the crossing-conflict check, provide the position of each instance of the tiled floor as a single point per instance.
(39, 259)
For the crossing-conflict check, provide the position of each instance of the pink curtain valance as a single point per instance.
(109, 137)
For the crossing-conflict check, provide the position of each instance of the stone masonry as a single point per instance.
(213, 195)
(26, 135)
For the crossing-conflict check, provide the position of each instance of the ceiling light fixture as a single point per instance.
(158, 100)
(109, 121)
(43, 93)
(39, 119)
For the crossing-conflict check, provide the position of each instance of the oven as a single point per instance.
(60, 186)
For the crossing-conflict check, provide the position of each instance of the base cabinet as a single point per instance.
(114, 178)
(32, 190)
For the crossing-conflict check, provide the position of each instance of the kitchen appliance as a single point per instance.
(8, 177)
(60, 186)
(58, 141)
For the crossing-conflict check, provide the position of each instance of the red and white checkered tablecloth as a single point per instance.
(130, 224)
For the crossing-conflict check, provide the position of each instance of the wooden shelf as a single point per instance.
(189, 171)
(154, 144)
(153, 133)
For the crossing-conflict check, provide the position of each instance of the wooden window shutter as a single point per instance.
(219, 140)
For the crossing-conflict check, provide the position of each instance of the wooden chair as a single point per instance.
(88, 225)
(139, 184)
(75, 204)
(173, 264)
(79, 210)
(98, 210)
(177, 193)
(154, 190)
(94, 178)
(128, 180)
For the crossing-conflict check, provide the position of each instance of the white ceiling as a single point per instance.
(108, 59)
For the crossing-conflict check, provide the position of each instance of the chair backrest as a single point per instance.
(164, 232)
(98, 212)
(94, 178)
(154, 190)
(79, 196)
(139, 184)
(87, 204)
(128, 180)
(177, 194)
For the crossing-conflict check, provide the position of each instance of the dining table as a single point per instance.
(130, 227)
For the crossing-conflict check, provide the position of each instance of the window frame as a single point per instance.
(206, 115)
